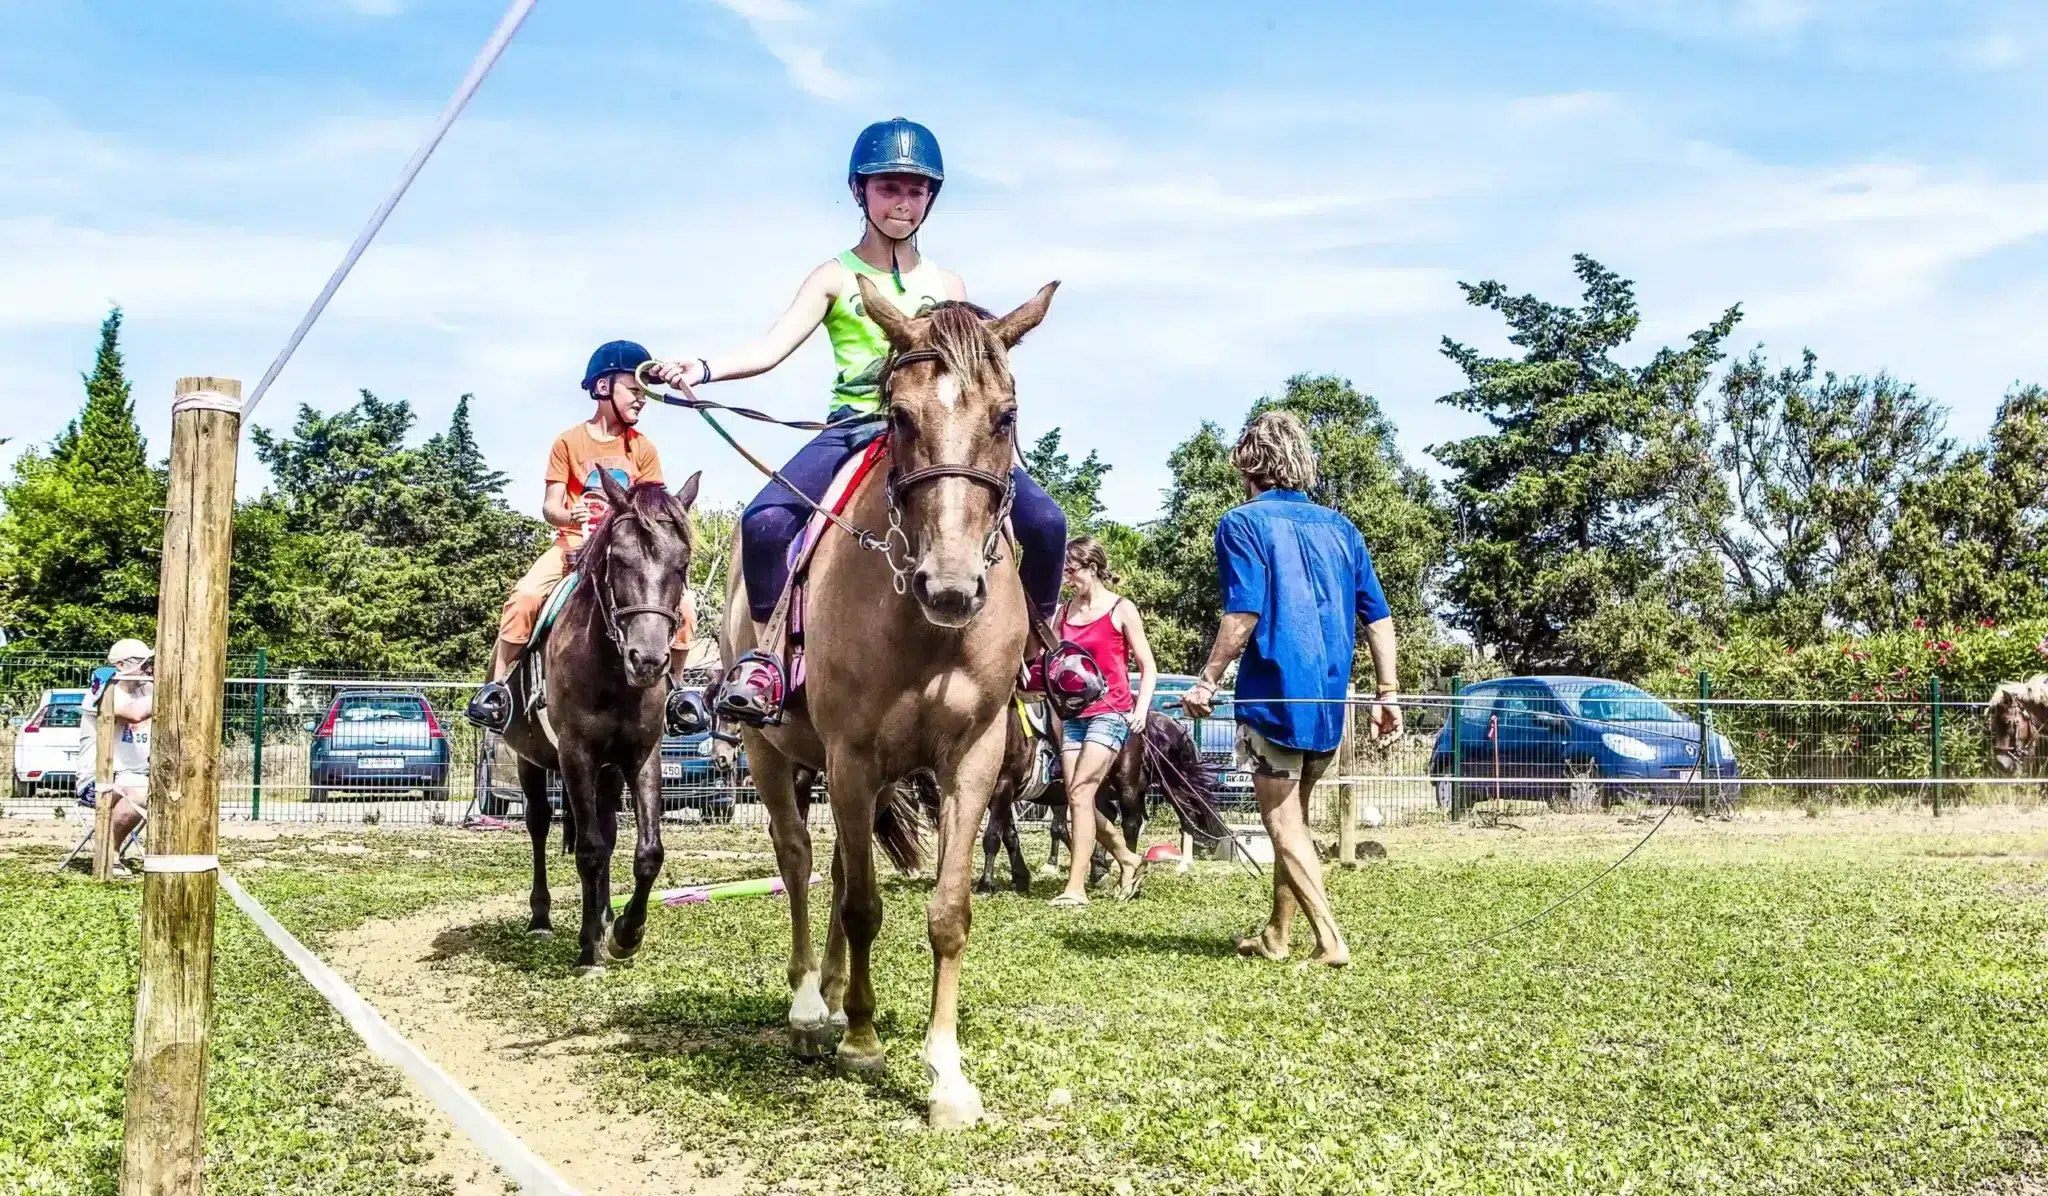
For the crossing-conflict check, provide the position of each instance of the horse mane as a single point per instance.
(644, 498)
(958, 332)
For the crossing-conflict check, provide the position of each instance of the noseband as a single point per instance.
(900, 485)
(608, 603)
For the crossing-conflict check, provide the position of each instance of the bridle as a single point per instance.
(900, 485)
(608, 603)
(2023, 754)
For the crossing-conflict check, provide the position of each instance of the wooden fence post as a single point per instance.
(104, 850)
(164, 1146)
(1347, 793)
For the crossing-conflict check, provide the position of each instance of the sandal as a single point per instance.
(1068, 901)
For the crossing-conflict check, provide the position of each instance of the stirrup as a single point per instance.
(752, 695)
(491, 708)
(686, 712)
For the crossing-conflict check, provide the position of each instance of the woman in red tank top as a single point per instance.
(1110, 629)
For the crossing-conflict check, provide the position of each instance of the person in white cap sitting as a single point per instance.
(134, 706)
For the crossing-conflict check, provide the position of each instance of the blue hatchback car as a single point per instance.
(1574, 742)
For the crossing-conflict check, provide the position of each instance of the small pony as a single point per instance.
(1165, 756)
(2017, 715)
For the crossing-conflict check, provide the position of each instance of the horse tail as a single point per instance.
(900, 818)
(1189, 784)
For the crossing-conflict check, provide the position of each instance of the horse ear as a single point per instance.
(886, 315)
(1011, 328)
(614, 493)
(688, 494)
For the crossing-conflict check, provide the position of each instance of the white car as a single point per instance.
(48, 746)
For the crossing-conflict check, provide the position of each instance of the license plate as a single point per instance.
(671, 770)
(381, 763)
(1243, 779)
(1688, 774)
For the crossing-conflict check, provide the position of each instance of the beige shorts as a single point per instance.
(1267, 759)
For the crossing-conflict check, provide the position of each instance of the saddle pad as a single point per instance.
(552, 608)
(845, 484)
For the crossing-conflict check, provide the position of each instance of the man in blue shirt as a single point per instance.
(1295, 575)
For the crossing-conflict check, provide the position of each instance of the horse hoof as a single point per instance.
(540, 932)
(615, 954)
(814, 1040)
(954, 1106)
(590, 971)
(862, 1067)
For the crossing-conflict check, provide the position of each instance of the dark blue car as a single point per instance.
(695, 785)
(1575, 742)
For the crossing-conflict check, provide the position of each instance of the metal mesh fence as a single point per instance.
(329, 745)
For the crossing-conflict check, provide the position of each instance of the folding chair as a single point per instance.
(92, 827)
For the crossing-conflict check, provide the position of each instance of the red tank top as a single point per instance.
(1112, 655)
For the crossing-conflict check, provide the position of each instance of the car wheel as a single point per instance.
(1582, 792)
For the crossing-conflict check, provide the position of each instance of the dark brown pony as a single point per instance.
(1165, 756)
(912, 656)
(600, 722)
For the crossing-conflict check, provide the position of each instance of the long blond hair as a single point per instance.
(1275, 453)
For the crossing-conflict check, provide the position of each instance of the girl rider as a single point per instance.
(895, 174)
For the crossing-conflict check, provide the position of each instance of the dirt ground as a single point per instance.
(528, 1085)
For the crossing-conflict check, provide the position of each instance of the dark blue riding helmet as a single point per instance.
(897, 146)
(612, 357)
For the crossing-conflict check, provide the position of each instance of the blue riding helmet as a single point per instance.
(897, 146)
(612, 357)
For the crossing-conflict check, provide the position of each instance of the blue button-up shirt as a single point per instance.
(1304, 570)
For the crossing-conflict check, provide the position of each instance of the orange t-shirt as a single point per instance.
(576, 458)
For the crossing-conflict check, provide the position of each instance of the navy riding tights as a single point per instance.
(775, 517)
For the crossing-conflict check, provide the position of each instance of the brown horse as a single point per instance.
(911, 655)
(2018, 717)
(601, 719)
(1165, 756)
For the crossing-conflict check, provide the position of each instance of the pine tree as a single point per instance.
(81, 532)
(1584, 511)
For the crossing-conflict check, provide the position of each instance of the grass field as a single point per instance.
(1818, 1005)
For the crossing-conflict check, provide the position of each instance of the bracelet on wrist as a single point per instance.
(706, 379)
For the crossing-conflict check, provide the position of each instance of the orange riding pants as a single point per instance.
(530, 594)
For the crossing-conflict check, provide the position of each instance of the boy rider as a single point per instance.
(575, 505)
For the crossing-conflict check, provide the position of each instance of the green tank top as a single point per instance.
(858, 345)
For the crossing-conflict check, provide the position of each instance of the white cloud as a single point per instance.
(790, 32)
(1189, 288)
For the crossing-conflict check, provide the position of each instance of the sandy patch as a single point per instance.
(529, 1086)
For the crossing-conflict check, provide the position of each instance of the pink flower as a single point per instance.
(1919, 623)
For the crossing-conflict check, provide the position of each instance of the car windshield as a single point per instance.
(1616, 703)
(380, 710)
(62, 716)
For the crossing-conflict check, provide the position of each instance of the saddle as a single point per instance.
(1045, 759)
(785, 631)
(528, 679)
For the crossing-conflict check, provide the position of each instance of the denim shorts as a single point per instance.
(1109, 730)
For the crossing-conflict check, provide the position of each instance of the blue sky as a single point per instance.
(1230, 193)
